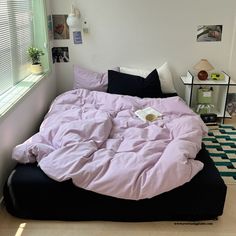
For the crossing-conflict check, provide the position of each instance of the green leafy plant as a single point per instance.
(35, 55)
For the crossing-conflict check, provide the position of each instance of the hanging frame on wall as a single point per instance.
(209, 33)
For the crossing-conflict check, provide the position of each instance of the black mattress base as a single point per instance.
(29, 193)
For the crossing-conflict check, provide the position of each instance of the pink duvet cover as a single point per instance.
(95, 139)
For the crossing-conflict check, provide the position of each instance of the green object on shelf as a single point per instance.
(204, 108)
(204, 95)
(217, 76)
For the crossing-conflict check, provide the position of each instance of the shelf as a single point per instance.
(189, 80)
(215, 111)
(218, 98)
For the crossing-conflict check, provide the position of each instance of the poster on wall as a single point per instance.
(60, 54)
(77, 36)
(60, 27)
(209, 33)
(231, 104)
(50, 28)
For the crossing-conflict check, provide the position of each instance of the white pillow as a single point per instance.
(165, 76)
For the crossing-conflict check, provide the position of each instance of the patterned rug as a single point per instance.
(221, 145)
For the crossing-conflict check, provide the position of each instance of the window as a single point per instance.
(20, 28)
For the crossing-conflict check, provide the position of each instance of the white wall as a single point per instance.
(146, 33)
(22, 121)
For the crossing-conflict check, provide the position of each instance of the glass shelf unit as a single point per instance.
(220, 92)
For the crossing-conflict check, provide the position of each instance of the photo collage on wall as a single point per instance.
(59, 30)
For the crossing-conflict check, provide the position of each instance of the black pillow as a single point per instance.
(133, 85)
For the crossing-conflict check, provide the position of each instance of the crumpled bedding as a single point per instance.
(95, 139)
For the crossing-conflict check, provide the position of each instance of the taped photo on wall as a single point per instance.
(60, 27)
(209, 33)
(60, 54)
(231, 104)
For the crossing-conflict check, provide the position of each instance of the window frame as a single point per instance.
(15, 93)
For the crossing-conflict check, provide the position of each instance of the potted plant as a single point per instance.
(35, 54)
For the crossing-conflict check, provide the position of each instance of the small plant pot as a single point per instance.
(36, 69)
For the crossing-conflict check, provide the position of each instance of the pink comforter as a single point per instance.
(95, 139)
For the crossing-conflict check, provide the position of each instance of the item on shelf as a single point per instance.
(204, 95)
(217, 76)
(204, 108)
(202, 67)
(209, 118)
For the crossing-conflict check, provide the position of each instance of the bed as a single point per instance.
(95, 159)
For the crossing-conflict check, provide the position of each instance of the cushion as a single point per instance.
(133, 85)
(91, 80)
(164, 72)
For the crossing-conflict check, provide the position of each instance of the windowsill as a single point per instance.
(10, 98)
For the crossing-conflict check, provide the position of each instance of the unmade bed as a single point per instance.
(31, 194)
(94, 158)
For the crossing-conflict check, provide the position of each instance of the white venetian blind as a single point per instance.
(16, 35)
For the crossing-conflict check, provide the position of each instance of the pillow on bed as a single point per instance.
(133, 85)
(91, 80)
(165, 76)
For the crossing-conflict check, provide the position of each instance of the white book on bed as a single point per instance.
(148, 114)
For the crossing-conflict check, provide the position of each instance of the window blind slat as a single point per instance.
(16, 36)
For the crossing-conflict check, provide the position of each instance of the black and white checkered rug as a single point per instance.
(221, 145)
